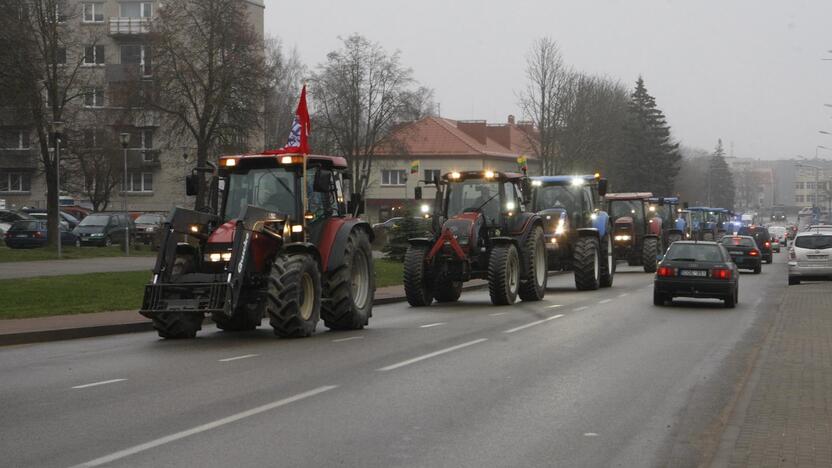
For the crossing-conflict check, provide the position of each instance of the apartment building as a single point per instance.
(811, 182)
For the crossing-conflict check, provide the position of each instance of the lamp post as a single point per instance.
(125, 141)
(58, 133)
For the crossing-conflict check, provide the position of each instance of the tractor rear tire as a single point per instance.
(293, 298)
(587, 263)
(671, 238)
(533, 281)
(350, 289)
(503, 274)
(179, 325)
(446, 290)
(418, 286)
(650, 254)
(608, 262)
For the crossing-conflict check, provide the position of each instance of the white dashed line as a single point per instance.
(237, 358)
(578, 309)
(95, 384)
(430, 355)
(205, 427)
(431, 325)
(497, 314)
(341, 340)
(554, 306)
(590, 434)
(623, 294)
(605, 301)
(523, 327)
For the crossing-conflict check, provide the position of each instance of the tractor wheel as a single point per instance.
(177, 325)
(534, 279)
(293, 298)
(674, 237)
(587, 263)
(649, 254)
(446, 290)
(503, 274)
(607, 266)
(349, 290)
(418, 286)
(247, 317)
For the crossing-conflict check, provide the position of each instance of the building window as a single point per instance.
(139, 182)
(430, 175)
(93, 12)
(94, 55)
(146, 141)
(15, 182)
(397, 177)
(136, 9)
(137, 54)
(92, 138)
(94, 97)
(798, 198)
(14, 139)
(60, 12)
(798, 185)
(60, 55)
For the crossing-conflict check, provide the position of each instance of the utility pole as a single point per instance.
(125, 141)
(58, 133)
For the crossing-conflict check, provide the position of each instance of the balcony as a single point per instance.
(124, 72)
(129, 27)
(142, 159)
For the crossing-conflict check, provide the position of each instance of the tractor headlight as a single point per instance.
(560, 228)
(537, 183)
(510, 206)
(623, 237)
(215, 257)
(425, 208)
(297, 228)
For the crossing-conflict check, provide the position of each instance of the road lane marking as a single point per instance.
(431, 355)
(341, 340)
(95, 384)
(590, 434)
(237, 358)
(554, 306)
(205, 427)
(578, 309)
(523, 327)
(605, 301)
(431, 325)
(623, 294)
(497, 314)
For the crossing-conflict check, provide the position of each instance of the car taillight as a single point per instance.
(37, 234)
(767, 244)
(721, 273)
(666, 271)
(754, 253)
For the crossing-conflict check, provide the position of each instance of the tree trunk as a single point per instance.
(202, 187)
(53, 233)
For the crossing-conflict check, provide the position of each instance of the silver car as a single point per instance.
(810, 256)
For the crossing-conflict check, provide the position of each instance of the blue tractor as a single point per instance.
(704, 223)
(578, 233)
(674, 225)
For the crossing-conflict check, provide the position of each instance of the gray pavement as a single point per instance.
(10, 270)
(581, 379)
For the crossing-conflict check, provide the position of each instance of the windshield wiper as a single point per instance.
(486, 202)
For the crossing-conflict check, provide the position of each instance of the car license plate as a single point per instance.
(693, 273)
(22, 235)
(735, 252)
(817, 257)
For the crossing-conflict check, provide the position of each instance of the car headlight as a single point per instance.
(150, 229)
(97, 234)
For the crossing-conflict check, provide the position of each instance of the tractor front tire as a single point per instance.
(650, 254)
(293, 298)
(350, 289)
(607, 266)
(534, 279)
(179, 325)
(418, 286)
(247, 317)
(446, 290)
(503, 274)
(587, 263)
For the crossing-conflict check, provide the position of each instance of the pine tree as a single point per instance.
(719, 182)
(401, 233)
(651, 159)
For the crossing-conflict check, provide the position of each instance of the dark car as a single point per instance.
(31, 233)
(8, 217)
(761, 237)
(66, 219)
(148, 226)
(698, 270)
(744, 252)
(104, 229)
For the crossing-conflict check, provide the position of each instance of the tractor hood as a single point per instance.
(223, 234)
(462, 227)
(624, 222)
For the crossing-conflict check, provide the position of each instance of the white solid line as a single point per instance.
(430, 325)
(497, 314)
(578, 309)
(205, 427)
(554, 306)
(605, 301)
(341, 340)
(523, 327)
(95, 384)
(244, 356)
(430, 355)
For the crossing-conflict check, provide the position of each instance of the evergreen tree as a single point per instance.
(408, 228)
(651, 160)
(719, 181)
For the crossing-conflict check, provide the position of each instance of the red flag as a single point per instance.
(299, 135)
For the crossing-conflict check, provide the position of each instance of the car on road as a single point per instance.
(778, 236)
(810, 256)
(698, 270)
(761, 236)
(744, 252)
(148, 227)
(31, 233)
(104, 229)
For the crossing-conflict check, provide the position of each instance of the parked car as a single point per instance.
(104, 229)
(8, 217)
(761, 236)
(67, 219)
(148, 227)
(744, 252)
(810, 256)
(31, 233)
(698, 269)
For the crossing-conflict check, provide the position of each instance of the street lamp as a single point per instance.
(124, 137)
(58, 133)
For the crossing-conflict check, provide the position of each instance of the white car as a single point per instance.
(810, 256)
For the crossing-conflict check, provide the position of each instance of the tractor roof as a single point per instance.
(563, 179)
(496, 175)
(629, 196)
(336, 161)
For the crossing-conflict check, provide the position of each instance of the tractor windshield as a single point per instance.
(631, 208)
(268, 188)
(558, 196)
(474, 195)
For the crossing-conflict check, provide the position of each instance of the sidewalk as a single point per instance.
(10, 270)
(786, 420)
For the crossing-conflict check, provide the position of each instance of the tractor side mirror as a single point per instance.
(323, 181)
(417, 193)
(356, 204)
(191, 185)
(602, 187)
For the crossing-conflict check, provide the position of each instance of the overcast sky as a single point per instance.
(749, 72)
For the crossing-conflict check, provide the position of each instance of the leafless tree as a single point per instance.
(287, 72)
(210, 76)
(359, 94)
(93, 162)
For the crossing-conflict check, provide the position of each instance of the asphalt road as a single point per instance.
(581, 379)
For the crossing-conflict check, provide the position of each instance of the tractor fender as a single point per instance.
(335, 252)
(600, 223)
(503, 240)
(303, 248)
(589, 232)
(422, 241)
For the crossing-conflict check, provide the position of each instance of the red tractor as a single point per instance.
(481, 230)
(276, 242)
(637, 228)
